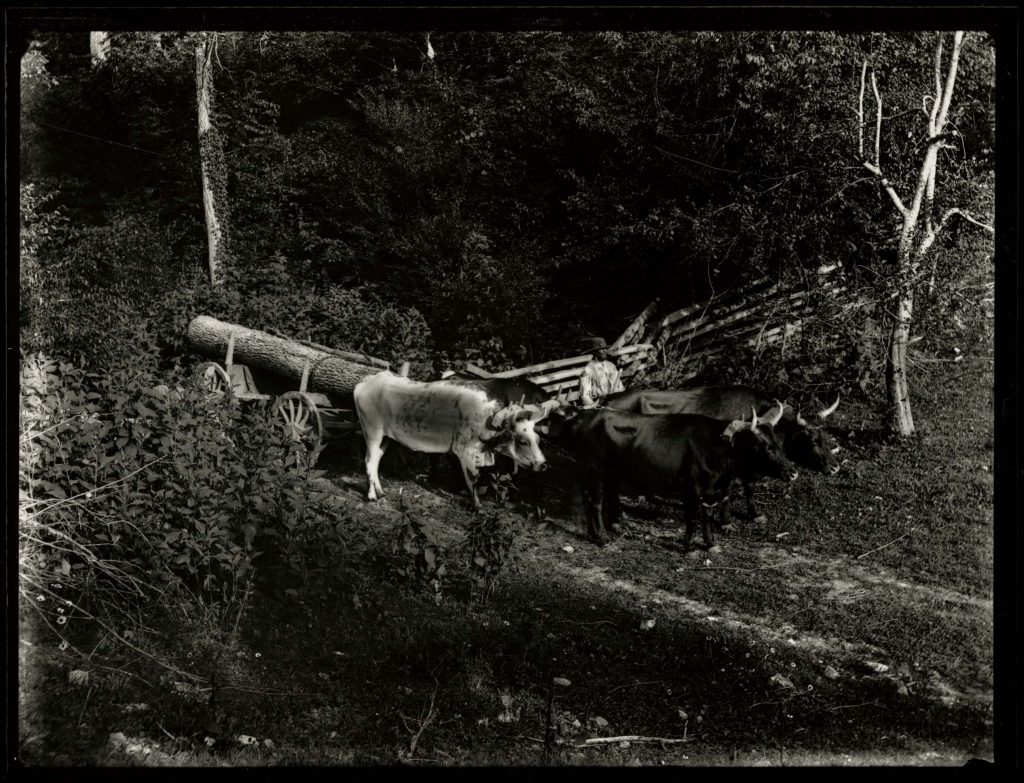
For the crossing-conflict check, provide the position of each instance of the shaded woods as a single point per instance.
(492, 202)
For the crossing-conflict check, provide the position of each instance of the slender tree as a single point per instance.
(211, 160)
(99, 45)
(919, 226)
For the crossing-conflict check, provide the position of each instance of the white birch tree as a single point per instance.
(920, 223)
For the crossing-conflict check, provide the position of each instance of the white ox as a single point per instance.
(442, 417)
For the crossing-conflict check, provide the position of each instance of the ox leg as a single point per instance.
(707, 529)
(748, 492)
(612, 509)
(725, 516)
(593, 491)
(375, 446)
(535, 492)
(471, 473)
(434, 472)
(691, 508)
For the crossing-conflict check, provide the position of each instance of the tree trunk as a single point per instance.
(99, 45)
(328, 373)
(211, 162)
(897, 387)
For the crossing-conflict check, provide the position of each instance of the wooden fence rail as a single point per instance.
(760, 313)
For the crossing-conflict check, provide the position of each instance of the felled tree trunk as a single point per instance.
(328, 373)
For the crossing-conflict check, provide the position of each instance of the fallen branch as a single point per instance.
(852, 706)
(635, 685)
(425, 720)
(632, 738)
(883, 546)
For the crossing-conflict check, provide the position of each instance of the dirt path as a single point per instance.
(647, 566)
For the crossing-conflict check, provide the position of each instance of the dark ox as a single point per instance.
(441, 418)
(674, 454)
(807, 443)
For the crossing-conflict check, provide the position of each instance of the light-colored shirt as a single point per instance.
(599, 379)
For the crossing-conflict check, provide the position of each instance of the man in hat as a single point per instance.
(601, 375)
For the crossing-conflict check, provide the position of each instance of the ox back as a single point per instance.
(727, 403)
(504, 390)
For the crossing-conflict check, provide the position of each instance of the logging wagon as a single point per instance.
(319, 409)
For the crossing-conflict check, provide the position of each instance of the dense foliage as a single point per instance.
(134, 491)
(522, 187)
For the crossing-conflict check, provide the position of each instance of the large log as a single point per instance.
(328, 373)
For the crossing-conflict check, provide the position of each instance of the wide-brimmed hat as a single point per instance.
(594, 344)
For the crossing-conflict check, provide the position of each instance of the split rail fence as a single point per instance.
(760, 313)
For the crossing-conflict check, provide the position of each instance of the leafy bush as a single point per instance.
(491, 543)
(116, 280)
(420, 561)
(139, 497)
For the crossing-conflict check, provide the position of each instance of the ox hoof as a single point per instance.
(729, 528)
(694, 554)
(760, 519)
(714, 550)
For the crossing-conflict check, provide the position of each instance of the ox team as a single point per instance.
(690, 443)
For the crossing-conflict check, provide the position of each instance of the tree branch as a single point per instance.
(860, 110)
(941, 137)
(947, 91)
(886, 185)
(932, 234)
(878, 120)
(938, 87)
(931, 155)
(966, 216)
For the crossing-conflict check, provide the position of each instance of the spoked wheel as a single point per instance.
(214, 378)
(300, 418)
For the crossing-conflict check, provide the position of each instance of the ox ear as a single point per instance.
(735, 427)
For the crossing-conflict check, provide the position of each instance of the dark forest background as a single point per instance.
(496, 201)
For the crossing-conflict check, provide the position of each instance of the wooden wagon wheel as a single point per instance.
(214, 378)
(300, 418)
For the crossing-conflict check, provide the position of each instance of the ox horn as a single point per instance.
(800, 420)
(829, 410)
(753, 421)
(772, 422)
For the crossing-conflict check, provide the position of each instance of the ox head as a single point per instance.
(758, 448)
(809, 443)
(517, 432)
